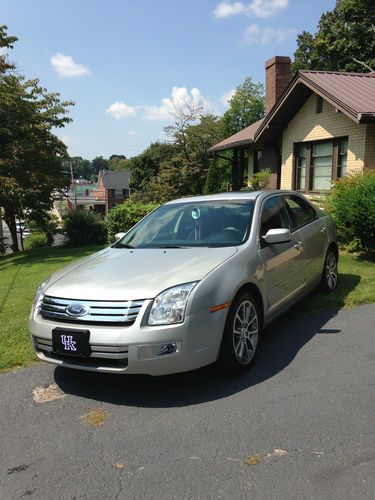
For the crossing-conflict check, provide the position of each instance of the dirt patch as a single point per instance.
(95, 417)
(47, 393)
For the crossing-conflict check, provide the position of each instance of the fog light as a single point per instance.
(150, 351)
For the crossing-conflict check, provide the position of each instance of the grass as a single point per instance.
(21, 274)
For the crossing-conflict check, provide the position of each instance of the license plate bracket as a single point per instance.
(71, 342)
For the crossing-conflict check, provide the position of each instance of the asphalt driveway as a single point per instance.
(300, 425)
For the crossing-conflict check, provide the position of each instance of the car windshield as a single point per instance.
(192, 224)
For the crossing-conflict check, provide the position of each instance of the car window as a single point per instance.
(201, 223)
(301, 212)
(274, 216)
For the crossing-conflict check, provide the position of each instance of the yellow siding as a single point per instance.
(370, 147)
(307, 125)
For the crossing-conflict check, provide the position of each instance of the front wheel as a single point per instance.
(241, 335)
(329, 277)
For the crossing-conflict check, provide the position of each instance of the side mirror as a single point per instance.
(274, 236)
(118, 236)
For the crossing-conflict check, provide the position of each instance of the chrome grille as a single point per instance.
(97, 351)
(100, 311)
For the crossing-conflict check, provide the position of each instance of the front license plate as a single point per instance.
(71, 342)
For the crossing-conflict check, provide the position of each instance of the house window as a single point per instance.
(319, 104)
(317, 164)
(118, 193)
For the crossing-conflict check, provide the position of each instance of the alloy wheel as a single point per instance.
(245, 332)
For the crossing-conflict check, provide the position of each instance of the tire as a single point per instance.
(328, 281)
(240, 336)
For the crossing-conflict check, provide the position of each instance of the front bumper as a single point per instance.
(137, 348)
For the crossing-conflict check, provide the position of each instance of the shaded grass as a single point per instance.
(21, 274)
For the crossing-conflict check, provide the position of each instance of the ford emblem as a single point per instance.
(76, 310)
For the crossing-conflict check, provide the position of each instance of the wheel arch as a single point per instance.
(255, 292)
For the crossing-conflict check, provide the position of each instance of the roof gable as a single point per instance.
(351, 93)
(114, 179)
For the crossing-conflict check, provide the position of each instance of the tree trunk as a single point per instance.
(10, 219)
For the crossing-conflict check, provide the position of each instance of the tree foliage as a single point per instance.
(352, 204)
(30, 154)
(344, 41)
(245, 108)
(122, 217)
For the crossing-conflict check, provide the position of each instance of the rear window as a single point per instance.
(300, 211)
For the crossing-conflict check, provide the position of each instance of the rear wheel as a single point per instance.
(241, 335)
(329, 277)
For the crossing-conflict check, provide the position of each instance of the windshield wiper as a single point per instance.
(121, 245)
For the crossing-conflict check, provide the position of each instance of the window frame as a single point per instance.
(282, 204)
(292, 216)
(336, 142)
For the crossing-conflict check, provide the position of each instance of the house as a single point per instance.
(318, 127)
(113, 188)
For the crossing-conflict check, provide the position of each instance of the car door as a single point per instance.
(282, 262)
(314, 235)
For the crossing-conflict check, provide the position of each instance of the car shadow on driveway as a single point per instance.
(281, 342)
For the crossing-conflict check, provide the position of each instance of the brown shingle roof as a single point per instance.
(353, 91)
(245, 136)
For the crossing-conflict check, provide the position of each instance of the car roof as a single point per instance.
(229, 196)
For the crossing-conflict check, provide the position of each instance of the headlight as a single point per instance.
(169, 306)
(40, 290)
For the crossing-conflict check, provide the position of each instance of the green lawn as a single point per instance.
(21, 274)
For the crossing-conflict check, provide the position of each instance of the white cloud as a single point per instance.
(258, 8)
(180, 98)
(121, 110)
(226, 9)
(255, 35)
(3, 51)
(66, 67)
(226, 97)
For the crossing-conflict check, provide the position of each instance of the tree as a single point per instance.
(245, 107)
(344, 41)
(118, 162)
(147, 165)
(30, 154)
(99, 163)
(6, 42)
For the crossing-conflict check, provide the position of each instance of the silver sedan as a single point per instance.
(191, 284)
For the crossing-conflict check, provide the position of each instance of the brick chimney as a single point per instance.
(278, 76)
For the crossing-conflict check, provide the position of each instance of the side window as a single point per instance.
(274, 216)
(301, 212)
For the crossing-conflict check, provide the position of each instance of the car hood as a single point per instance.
(123, 274)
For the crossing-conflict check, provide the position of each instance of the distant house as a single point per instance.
(113, 188)
(318, 127)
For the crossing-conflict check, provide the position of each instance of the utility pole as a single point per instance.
(74, 187)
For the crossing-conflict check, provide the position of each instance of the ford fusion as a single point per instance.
(191, 284)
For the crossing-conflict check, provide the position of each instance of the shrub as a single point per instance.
(45, 222)
(36, 240)
(123, 217)
(261, 180)
(352, 205)
(84, 227)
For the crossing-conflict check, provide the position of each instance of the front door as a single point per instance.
(282, 262)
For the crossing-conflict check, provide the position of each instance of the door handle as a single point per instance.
(298, 245)
(323, 229)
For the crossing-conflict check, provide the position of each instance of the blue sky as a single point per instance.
(125, 62)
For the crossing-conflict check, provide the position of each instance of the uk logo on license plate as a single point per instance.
(68, 342)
